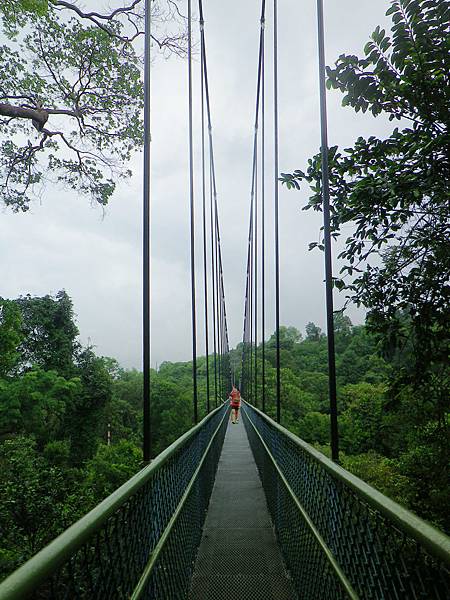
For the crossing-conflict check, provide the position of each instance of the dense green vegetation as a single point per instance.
(389, 436)
(390, 202)
(71, 421)
(58, 401)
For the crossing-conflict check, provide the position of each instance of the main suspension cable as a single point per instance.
(219, 317)
(251, 296)
(205, 271)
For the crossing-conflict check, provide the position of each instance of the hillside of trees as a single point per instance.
(58, 401)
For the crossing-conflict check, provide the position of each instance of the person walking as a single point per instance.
(235, 403)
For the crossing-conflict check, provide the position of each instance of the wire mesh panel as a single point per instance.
(327, 517)
(158, 513)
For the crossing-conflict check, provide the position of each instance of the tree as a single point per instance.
(49, 332)
(313, 332)
(35, 403)
(110, 468)
(71, 94)
(86, 416)
(10, 336)
(34, 502)
(394, 191)
(361, 421)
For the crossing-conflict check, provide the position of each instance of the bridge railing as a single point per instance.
(142, 540)
(341, 538)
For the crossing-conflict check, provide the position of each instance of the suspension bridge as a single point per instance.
(249, 510)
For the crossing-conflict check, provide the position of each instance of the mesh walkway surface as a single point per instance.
(238, 557)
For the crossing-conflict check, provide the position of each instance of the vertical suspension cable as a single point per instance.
(219, 310)
(222, 303)
(263, 243)
(327, 236)
(255, 375)
(243, 383)
(147, 432)
(277, 242)
(213, 283)
(205, 274)
(191, 196)
(250, 325)
(250, 376)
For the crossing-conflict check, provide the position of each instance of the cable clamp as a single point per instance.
(202, 25)
(263, 23)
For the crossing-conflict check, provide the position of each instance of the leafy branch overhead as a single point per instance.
(392, 194)
(71, 94)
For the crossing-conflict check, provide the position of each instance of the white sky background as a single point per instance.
(64, 242)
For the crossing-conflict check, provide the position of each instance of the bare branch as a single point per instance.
(94, 15)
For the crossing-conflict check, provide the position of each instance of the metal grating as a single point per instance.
(239, 558)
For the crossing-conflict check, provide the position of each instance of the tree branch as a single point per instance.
(39, 117)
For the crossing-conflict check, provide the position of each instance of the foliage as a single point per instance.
(57, 460)
(10, 336)
(392, 195)
(382, 473)
(390, 435)
(35, 502)
(110, 467)
(49, 332)
(85, 417)
(393, 192)
(71, 94)
(35, 403)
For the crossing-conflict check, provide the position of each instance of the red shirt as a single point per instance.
(235, 398)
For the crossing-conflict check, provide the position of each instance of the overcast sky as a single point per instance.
(64, 242)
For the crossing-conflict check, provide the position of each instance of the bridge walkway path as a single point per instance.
(239, 558)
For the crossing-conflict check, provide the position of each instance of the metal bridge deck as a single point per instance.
(238, 557)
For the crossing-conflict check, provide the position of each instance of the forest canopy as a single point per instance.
(71, 421)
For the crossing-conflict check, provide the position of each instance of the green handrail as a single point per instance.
(434, 540)
(326, 550)
(40, 567)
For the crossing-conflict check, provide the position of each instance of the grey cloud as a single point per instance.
(65, 243)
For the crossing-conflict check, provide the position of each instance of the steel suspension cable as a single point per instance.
(222, 327)
(249, 297)
(250, 380)
(192, 220)
(327, 236)
(147, 432)
(205, 273)
(213, 284)
(255, 243)
(277, 241)
(263, 235)
(217, 308)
